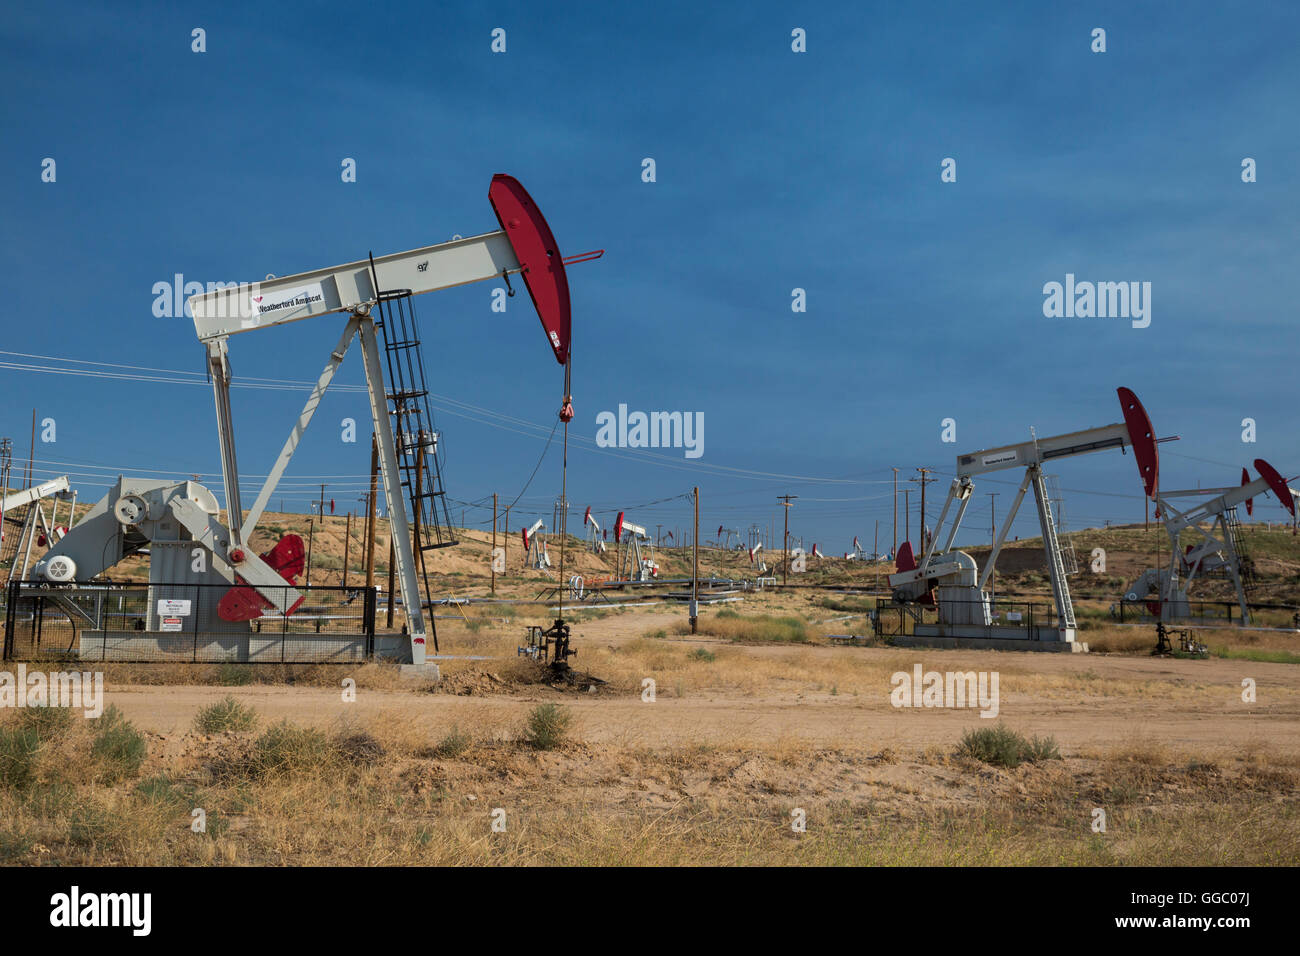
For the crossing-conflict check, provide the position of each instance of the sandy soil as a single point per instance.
(1184, 704)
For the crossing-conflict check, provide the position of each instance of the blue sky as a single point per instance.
(775, 170)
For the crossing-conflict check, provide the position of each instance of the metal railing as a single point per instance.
(140, 622)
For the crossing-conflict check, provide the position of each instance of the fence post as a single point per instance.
(10, 601)
(284, 621)
(368, 623)
(195, 608)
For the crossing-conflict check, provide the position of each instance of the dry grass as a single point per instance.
(385, 794)
(395, 790)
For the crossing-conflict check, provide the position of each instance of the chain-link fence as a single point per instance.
(187, 623)
(1010, 619)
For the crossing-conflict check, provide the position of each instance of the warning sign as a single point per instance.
(170, 624)
(173, 608)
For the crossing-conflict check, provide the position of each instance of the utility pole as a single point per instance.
(993, 538)
(311, 534)
(31, 457)
(785, 535)
(924, 480)
(321, 508)
(894, 550)
(875, 542)
(695, 565)
(494, 542)
(370, 512)
(347, 547)
(392, 561)
(907, 515)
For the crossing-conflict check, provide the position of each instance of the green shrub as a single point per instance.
(453, 744)
(1003, 747)
(118, 747)
(223, 716)
(230, 674)
(48, 723)
(286, 748)
(548, 726)
(19, 748)
(163, 791)
(703, 654)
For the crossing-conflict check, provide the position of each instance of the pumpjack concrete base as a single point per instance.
(990, 644)
(427, 671)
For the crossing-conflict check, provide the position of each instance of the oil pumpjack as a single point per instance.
(178, 520)
(635, 563)
(951, 580)
(595, 543)
(1220, 548)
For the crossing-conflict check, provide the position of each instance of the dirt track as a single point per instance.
(1192, 705)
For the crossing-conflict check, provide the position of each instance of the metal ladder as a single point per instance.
(1069, 557)
(1245, 566)
(414, 437)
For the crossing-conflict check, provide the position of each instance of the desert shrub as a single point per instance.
(225, 715)
(753, 628)
(118, 747)
(548, 726)
(286, 748)
(230, 674)
(48, 723)
(703, 654)
(19, 747)
(1003, 747)
(453, 744)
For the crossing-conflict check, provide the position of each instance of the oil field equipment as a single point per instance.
(536, 556)
(595, 543)
(175, 520)
(24, 525)
(950, 580)
(1218, 549)
(636, 561)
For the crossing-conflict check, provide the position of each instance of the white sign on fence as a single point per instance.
(170, 624)
(173, 608)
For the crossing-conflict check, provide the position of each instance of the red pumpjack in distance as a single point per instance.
(243, 603)
(905, 560)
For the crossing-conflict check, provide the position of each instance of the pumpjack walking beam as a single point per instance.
(524, 245)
